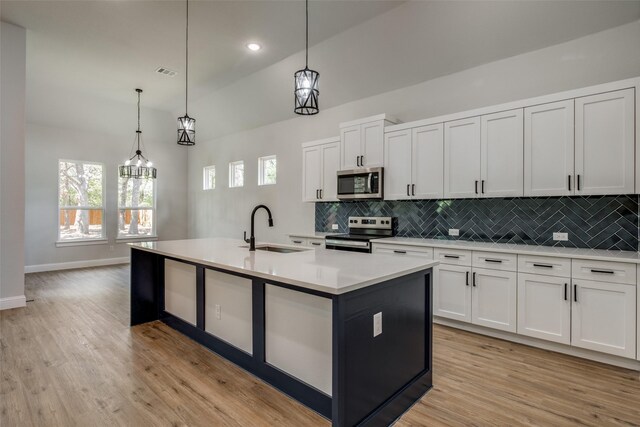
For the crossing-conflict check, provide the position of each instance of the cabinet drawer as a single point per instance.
(315, 243)
(495, 261)
(452, 256)
(299, 241)
(604, 271)
(386, 248)
(548, 266)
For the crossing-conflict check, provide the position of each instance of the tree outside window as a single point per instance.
(80, 200)
(209, 178)
(236, 174)
(267, 170)
(136, 208)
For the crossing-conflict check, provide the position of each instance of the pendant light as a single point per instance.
(138, 166)
(186, 124)
(306, 82)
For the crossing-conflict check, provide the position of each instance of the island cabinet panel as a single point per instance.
(298, 338)
(228, 309)
(180, 290)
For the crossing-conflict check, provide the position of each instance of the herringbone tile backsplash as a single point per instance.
(598, 222)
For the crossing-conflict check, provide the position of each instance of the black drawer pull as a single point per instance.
(497, 261)
(316, 244)
(595, 270)
(297, 241)
(565, 291)
(467, 278)
(452, 256)
(474, 279)
(399, 252)
(542, 265)
(575, 293)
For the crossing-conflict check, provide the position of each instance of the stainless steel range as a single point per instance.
(361, 231)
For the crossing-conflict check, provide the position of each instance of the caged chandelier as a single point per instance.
(186, 124)
(306, 82)
(138, 166)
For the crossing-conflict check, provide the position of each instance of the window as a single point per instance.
(136, 208)
(209, 178)
(236, 174)
(80, 201)
(267, 170)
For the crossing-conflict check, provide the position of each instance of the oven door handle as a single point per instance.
(346, 243)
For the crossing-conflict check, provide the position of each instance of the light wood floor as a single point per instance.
(70, 359)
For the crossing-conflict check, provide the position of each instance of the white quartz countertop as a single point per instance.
(590, 254)
(325, 270)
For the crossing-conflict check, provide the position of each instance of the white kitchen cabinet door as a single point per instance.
(494, 302)
(350, 147)
(427, 167)
(462, 158)
(544, 307)
(604, 154)
(330, 165)
(501, 154)
(452, 292)
(311, 177)
(397, 165)
(180, 290)
(603, 317)
(372, 135)
(549, 149)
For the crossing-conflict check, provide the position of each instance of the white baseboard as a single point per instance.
(13, 302)
(75, 264)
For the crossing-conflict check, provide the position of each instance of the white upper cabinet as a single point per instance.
(320, 161)
(604, 152)
(361, 142)
(501, 154)
(414, 163)
(462, 158)
(548, 150)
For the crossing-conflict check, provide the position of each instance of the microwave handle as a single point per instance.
(370, 182)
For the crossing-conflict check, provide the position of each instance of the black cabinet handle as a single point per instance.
(476, 187)
(595, 270)
(578, 183)
(474, 279)
(361, 160)
(575, 293)
(467, 278)
(408, 185)
(358, 161)
(569, 182)
(497, 261)
(452, 256)
(316, 243)
(413, 189)
(399, 252)
(543, 265)
(317, 197)
(565, 291)
(297, 241)
(482, 186)
(321, 193)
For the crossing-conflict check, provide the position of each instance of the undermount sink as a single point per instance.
(278, 249)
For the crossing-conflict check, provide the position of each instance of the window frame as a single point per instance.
(232, 166)
(205, 182)
(261, 172)
(153, 208)
(84, 241)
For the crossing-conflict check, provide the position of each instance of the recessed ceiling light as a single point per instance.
(253, 46)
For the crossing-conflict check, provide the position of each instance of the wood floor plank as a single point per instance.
(70, 359)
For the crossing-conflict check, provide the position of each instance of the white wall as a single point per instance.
(12, 137)
(102, 131)
(602, 57)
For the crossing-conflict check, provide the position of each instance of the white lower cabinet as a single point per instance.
(452, 292)
(544, 307)
(314, 242)
(494, 299)
(603, 317)
(180, 290)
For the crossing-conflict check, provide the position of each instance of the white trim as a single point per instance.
(83, 242)
(75, 264)
(13, 302)
(545, 345)
(522, 103)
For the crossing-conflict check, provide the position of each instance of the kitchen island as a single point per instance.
(346, 334)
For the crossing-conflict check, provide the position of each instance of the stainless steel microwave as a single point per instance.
(360, 184)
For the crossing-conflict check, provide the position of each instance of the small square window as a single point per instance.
(236, 174)
(267, 170)
(209, 178)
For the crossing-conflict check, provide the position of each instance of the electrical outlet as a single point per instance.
(377, 324)
(218, 312)
(561, 237)
(334, 226)
(454, 232)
